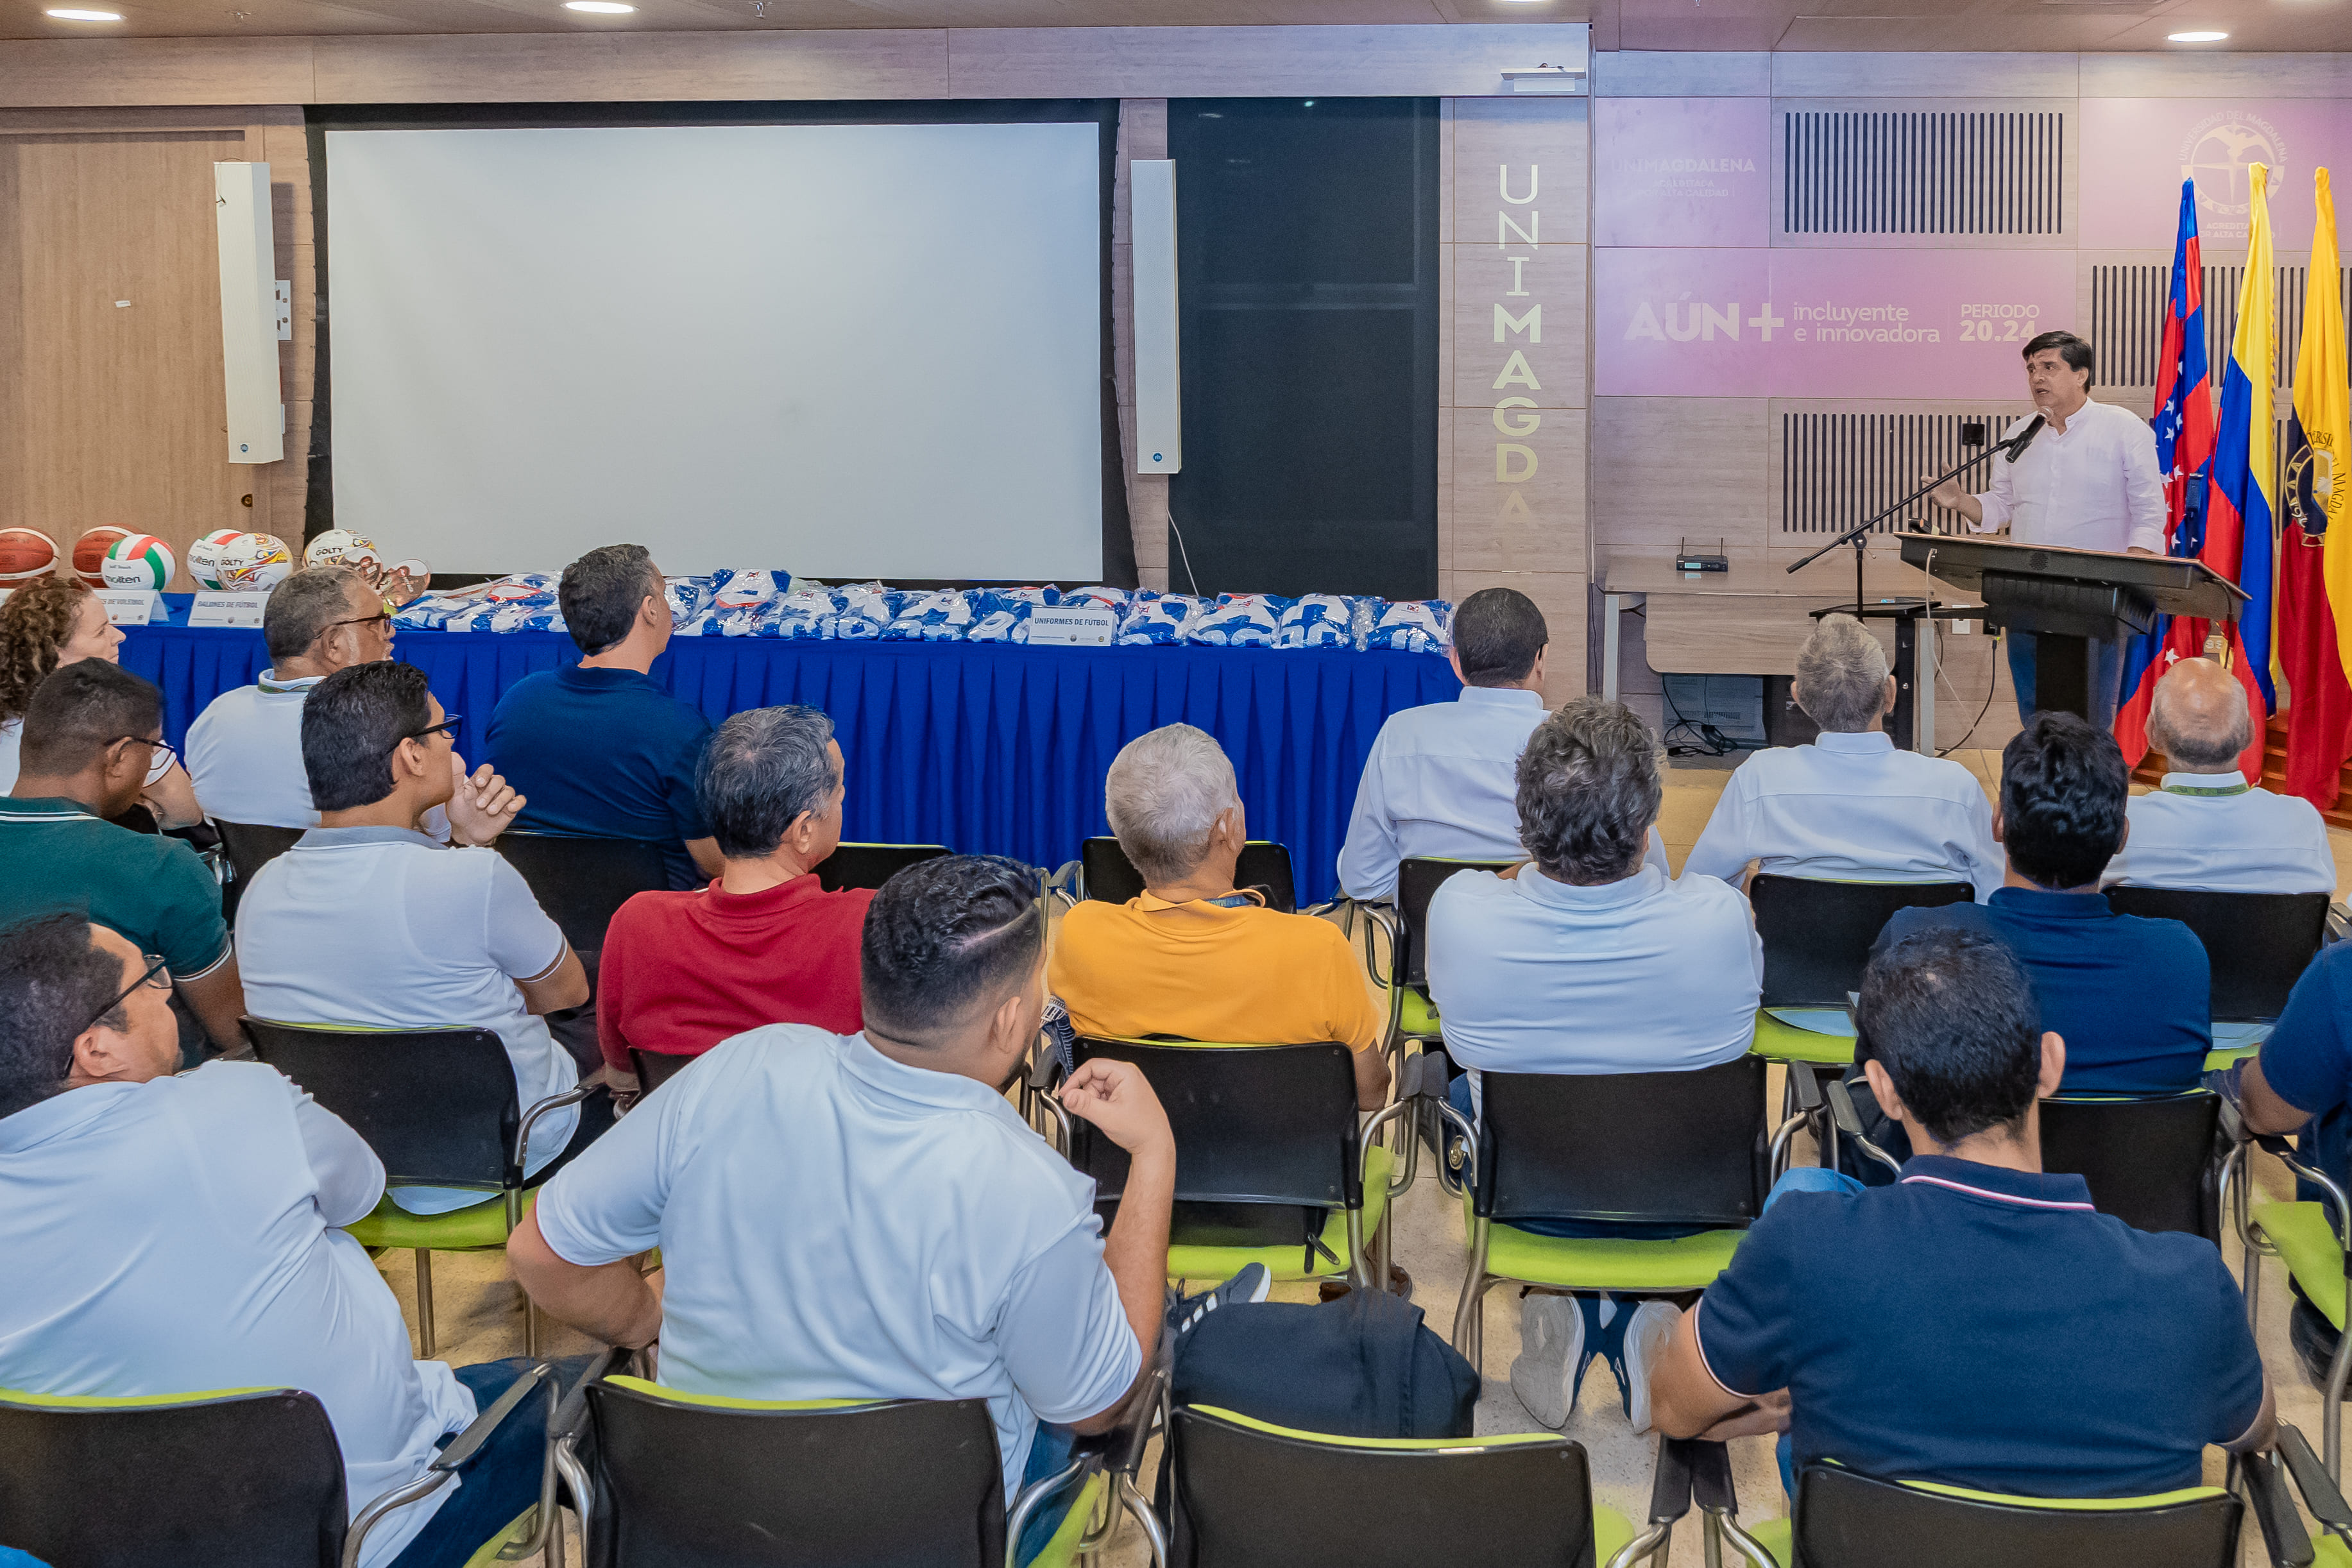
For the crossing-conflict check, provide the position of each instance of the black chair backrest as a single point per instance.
(871, 865)
(255, 1479)
(1254, 1124)
(581, 882)
(1418, 880)
(437, 1105)
(1817, 934)
(876, 1486)
(1111, 877)
(2149, 1162)
(655, 1068)
(2257, 943)
(252, 846)
(1666, 1148)
(1849, 1521)
(1247, 1498)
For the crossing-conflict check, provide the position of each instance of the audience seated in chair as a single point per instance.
(1977, 1324)
(1587, 960)
(866, 1217)
(369, 922)
(2208, 828)
(171, 1234)
(601, 750)
(245, 750)
(1850, 806)
(1439, 782)
(47, 624)
(2132, 996)
(1191, 957)
(763, 944)
(93, 739)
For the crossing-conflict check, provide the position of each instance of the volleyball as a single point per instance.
(137, 561)
(254, 561)
(205, 555)
(26, 554)
(89, 552)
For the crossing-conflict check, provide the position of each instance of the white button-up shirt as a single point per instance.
(2095, 488)
(177, 1235)
(834, 1224)
(1640, 975)
(245, 755)
(2212, 833)
(1851, 807)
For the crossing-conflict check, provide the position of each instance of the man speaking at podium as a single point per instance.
(2086, 480)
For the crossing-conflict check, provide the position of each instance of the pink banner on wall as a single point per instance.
(1682, 170)
(1822, 323)
(2136, 151)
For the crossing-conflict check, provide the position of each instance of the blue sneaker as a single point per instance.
(1185, 1313)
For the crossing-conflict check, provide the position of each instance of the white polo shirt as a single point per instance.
(2213, 833)
(245, 755)
(382, 928)
(1640, 975)
(1851, 807)
(176, 1237)
(2095, 487)
(834, 1224)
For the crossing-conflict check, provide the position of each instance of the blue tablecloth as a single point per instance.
(984, 747)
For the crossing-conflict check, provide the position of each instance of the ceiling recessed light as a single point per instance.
(2194, 37)
(599, 7)
(65, 16)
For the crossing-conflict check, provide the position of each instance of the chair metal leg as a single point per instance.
(1468, 1316)
(1359, 1272)
(1710, 1538)
(423, 1305)
(1381, 1261)
(2332, 1419)
(530, 1328)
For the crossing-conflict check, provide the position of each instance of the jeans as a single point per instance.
(502, 1479)
(1049, 1453)
(1457, 1094)
(1803, 1179)
(2106, 676)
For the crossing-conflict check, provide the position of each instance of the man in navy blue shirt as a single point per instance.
(2303, 1083)
(606, 752)
(1978, 1323)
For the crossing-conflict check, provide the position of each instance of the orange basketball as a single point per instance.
(26, 554)
(89, 552)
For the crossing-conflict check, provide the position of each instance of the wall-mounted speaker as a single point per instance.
(1159, 370)
(248, 302)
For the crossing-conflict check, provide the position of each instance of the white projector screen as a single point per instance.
(849, 350)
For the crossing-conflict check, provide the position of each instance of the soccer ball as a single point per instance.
(254, 561)
(339, 547)
(26, 554)
(205, 555)
(138, 561)
(89, 552)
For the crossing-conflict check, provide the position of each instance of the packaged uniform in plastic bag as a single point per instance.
(523, 591)
(1000, 615)
(740, 601)
(1320, 620)
(1238, 620)
(1411, 625)
(942, 615)
(430, 612)
(1101, 598)
(1158, 619)
(691, 596)
(805, 614)
(865, 609)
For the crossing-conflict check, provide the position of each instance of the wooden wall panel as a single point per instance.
(52, 73)
(603, 68)
(1242, 62)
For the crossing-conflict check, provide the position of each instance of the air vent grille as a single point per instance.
(1944, 172)
(2127, 319)
(1838, 468)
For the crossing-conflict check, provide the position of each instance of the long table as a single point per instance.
(983, 747)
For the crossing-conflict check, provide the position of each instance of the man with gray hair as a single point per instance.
(245, 750)
(1849, 806)
(762, 943)
(2208, 828)
(1192, 956)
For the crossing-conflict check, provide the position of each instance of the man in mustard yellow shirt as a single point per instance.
(1193, 957)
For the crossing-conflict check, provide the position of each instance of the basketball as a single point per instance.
(26, 554)
(339, 547)
(254, 561)
(137, 561)
(89, 552)
(203, 556)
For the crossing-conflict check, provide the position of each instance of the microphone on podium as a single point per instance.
(2018, 443)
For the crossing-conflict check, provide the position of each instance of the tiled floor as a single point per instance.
(480, 1314)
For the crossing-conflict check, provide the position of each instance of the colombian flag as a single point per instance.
(2184, 446)
(2319, 436)
(2240, 512)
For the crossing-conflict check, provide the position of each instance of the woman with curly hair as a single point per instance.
(54, 621)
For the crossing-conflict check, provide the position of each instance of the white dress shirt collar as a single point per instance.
(1540, 889)
(1855, 742)
(1501, 696)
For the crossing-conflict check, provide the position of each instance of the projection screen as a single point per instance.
(850, 351)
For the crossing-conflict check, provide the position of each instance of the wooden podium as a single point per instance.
(2070, 598)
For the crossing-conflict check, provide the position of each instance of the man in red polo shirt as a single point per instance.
(762, 943)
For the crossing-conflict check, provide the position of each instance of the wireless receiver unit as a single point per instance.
(1688, 559)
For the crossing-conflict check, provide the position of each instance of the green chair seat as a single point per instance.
(1286, 1262)
(2307, 1244)
(473, 1228)
(1787, 1043)
(1417, 1016)
(518, 1529)
(2221, 1056)
(1605, 1263)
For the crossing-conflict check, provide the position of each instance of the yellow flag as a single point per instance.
(2319, 439)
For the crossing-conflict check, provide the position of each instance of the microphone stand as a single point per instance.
(1859, 535)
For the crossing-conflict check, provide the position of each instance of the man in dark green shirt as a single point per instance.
(93, 736)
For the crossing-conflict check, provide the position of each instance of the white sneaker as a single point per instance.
(1551, 1354)
(1646, 1338)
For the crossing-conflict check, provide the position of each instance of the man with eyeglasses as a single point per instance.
(369, 922)
(167, 1234)
(94, 740)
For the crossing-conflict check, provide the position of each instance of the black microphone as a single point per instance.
(2024, 439)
